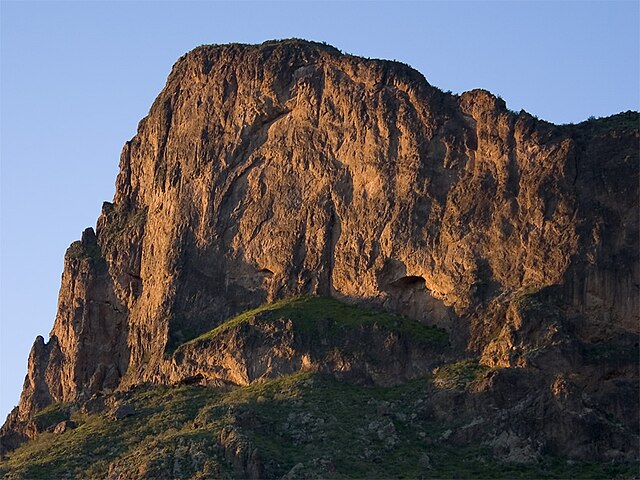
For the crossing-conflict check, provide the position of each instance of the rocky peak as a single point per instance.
(268, 171)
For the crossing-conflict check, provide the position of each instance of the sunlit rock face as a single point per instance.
(288, 168)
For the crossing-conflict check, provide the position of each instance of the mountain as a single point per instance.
(299, 230)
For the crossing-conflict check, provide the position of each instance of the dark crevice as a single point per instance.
(265, 272)
(335, 231)
(410, 281)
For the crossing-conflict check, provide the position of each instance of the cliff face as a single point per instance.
(87, 351)
(263, 172)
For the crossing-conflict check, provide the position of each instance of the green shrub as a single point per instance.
(459, 375)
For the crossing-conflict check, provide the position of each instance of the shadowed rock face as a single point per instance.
(265, 348)
(88, 351)
(288, 168)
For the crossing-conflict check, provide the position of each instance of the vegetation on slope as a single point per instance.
(306, 311)
(458, 375)
(306, 425)
(301, 426)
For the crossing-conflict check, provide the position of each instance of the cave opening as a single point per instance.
(409, 282)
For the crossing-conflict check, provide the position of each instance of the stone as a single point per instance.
(268, 171)
(95, 404)
(511, 448)
(425, 461)
(64, 426)
(123, 411)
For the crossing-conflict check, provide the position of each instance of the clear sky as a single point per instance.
(76, 77)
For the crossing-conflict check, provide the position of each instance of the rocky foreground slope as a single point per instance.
(268, 172)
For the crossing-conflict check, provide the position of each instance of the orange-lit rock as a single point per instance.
(288, 168)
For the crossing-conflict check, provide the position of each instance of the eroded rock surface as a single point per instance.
(289, 168)
(264, 348)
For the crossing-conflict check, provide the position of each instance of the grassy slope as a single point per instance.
(304, 312)
(330, 427)
(311, 423)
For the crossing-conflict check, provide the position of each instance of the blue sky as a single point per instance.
(76, 77)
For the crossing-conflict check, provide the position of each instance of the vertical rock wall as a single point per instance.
(288, 168)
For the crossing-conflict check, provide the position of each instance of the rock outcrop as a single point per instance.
(288, 168)
(87, 351)
(269, 344)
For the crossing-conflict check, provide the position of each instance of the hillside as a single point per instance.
(289, 214)
(300, 425)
